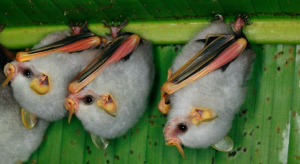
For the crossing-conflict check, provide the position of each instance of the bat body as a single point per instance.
(213, 99)
(16, 142)
(39, 84)
(128, 82)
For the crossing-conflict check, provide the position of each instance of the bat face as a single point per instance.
(60, 70)
(202, 111)
(126, 84)
(39, 85)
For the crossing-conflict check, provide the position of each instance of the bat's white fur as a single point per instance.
(223, 92)
(61, 69)
(129, 82)
(16, 142)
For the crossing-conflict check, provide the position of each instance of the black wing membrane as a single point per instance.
(204, 57)
(103, 56)
(61, 43)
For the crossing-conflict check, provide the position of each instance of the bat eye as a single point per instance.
(27, 73)
(89, 99)
(182, 127)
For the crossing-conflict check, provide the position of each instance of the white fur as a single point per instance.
(16, 142)
(61, 69)
(129, 82)
(223, 92)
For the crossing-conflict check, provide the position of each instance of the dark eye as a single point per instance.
(89, 99)
(27, 73)
(182, 127)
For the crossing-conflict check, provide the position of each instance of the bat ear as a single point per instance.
(29, 120)
(41, 85)
(99, 142)
(225, 145)
(199, 115)
(108, 103)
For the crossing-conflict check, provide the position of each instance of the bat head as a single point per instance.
(39, 85)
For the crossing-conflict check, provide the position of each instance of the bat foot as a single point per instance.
(114, 29)
(240, 22)
(219, 18)
(78, 28)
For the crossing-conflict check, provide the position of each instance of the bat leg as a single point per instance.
(108, 103)
(164, 103)
(99, 142)
(199, 115)
(29, 120)
(225, 145)
(114, 30)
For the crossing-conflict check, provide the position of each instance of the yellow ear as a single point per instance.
(29, 120)
(41, 86)
(108, 103)
(199, 115)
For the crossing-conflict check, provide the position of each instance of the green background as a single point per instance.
(266, 129)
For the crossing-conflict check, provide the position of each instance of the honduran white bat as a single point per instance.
(201, 99)
(39, 77)
(16, 142)
(110, 94)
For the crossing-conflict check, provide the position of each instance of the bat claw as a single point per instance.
(245, 18)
